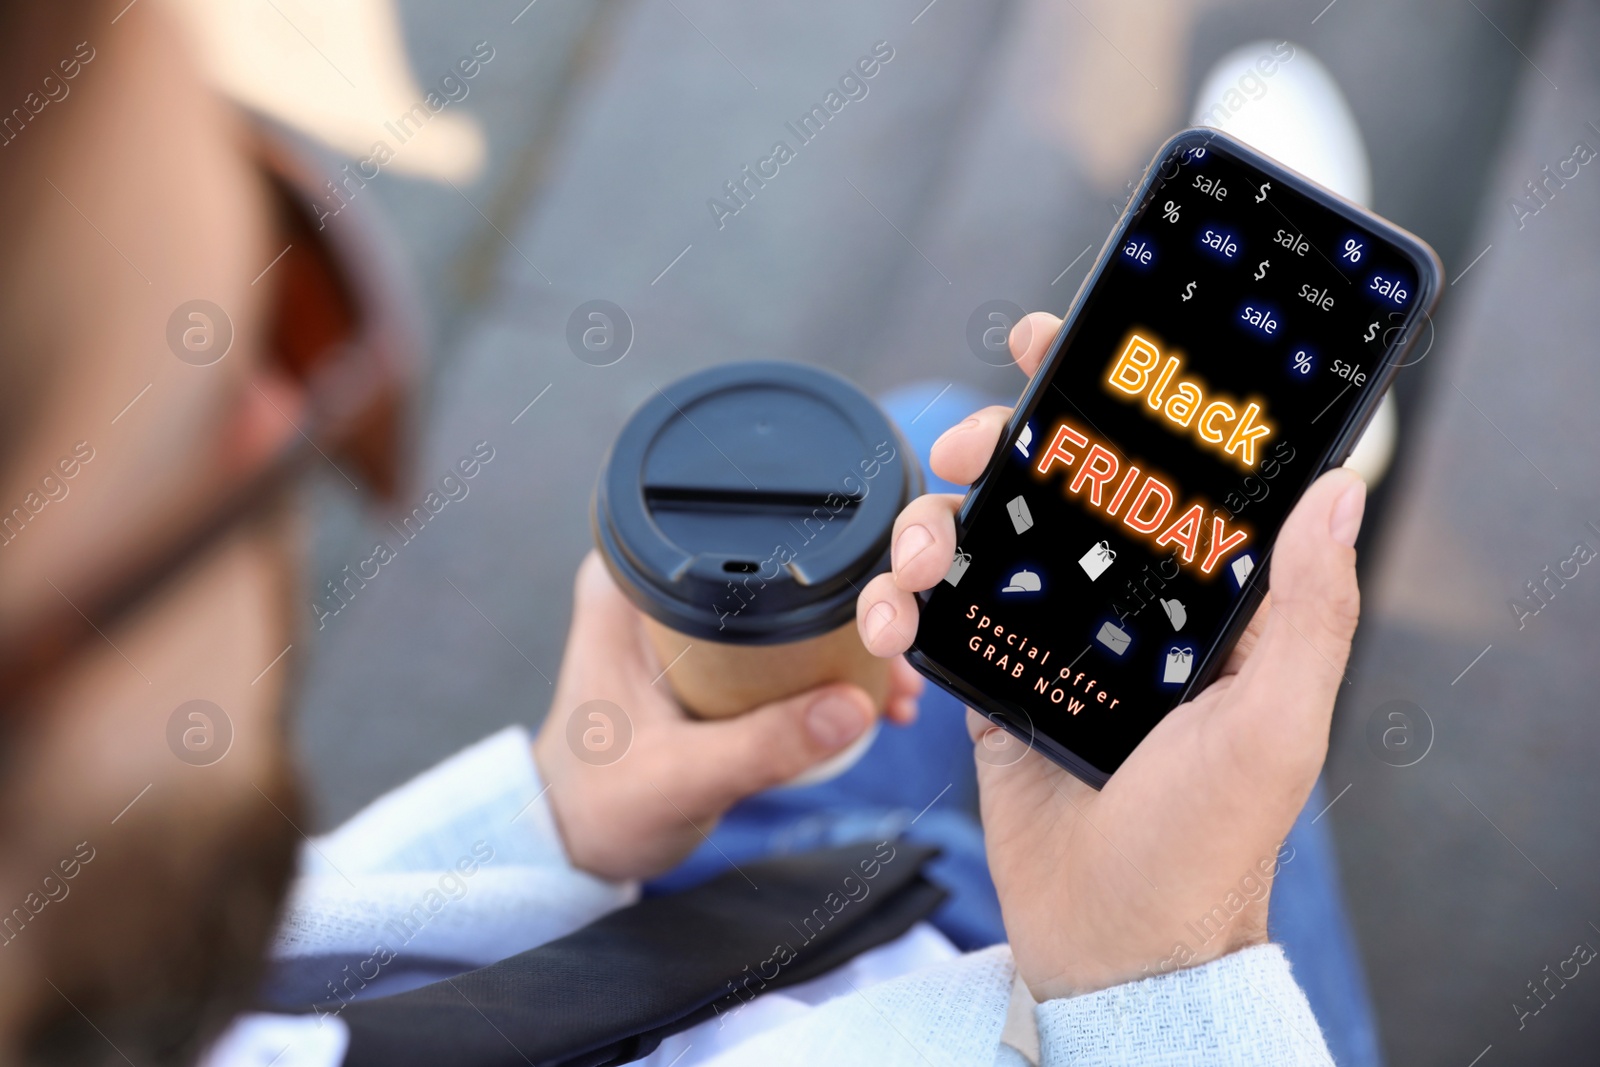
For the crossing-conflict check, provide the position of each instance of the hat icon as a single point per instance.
(1023, 581)
(1024, 439)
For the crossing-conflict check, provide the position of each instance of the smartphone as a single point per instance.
(1231, 343)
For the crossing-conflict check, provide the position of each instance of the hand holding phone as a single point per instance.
(1232, 341)
(1169, 865)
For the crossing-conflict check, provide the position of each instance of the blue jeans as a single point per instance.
(918, 782)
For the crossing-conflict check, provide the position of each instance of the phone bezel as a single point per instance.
(1013, 717)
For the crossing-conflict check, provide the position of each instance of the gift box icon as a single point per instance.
(1097, 559)
(958, 567)
(1178, 664)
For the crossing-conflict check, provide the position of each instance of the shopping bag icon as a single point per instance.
(1241, 568)
(959, 567)
(1097, 559)
(1113, 637)
(1021, 517)
(1180, 661)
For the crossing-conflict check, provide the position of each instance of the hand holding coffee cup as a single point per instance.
(633, 780)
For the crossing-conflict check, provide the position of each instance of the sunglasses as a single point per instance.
(340, 329)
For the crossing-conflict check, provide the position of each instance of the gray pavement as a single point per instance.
(1473, 870)
(984, 158)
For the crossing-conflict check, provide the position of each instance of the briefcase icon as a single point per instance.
(1179, 662)
(1021, 517)
(1097, 559)
(958, 567)
(1113, 637)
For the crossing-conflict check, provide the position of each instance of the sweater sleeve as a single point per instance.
(463, 862)
(1238, 1011)
(950, 1012)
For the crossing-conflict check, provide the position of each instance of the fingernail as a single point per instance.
(834, 722)
(1346, 520)
(878, 616)
(912, 540)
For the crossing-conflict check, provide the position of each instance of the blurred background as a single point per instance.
(988, 159)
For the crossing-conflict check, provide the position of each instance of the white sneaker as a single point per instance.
(1278, 98)
(1296, 114)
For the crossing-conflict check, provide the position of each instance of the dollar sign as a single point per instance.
(1261, 271)
(1188, 291)
(1372, 331)
(1263, 194)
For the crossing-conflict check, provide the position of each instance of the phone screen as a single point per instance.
(1239, 330)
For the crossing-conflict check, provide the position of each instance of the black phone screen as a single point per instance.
(1239, 330)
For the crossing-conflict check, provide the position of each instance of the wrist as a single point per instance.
(1092, 970)
(542, 765)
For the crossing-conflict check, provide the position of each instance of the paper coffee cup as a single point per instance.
(742, 509)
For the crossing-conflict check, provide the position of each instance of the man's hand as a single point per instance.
(637, 815)
(1099, 888)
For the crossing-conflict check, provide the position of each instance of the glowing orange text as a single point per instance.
(1146, 506)
(1140, 371)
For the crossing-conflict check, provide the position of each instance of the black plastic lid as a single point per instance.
(748, 503)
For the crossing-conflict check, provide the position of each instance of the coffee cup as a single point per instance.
(741, 509)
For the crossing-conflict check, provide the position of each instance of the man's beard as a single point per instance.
(168, 942)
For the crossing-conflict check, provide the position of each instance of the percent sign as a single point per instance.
(1169, 211)
(1302, 362)
(1352, 250)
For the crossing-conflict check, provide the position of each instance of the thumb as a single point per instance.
(1287, 687)
(775, 742)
